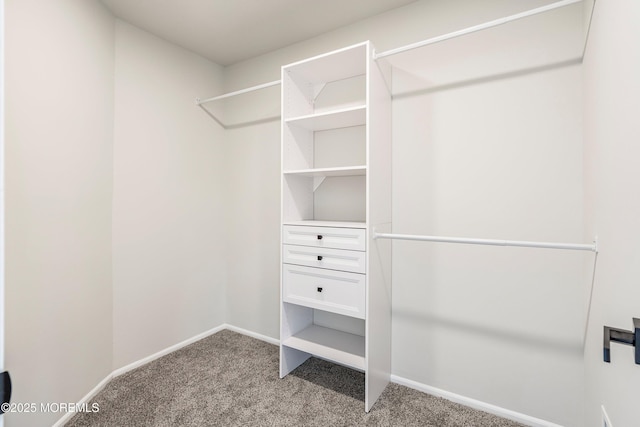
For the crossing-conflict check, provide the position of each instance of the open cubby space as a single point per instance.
(340, 199)
(340, 147)
(326, 335)
(336, 198)
(319, 99)
(307, 149)
(345, 93)
(338, 65)
(326, 83)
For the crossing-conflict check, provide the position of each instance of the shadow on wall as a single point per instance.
(247, 109)
(512, 336)
(440, 87)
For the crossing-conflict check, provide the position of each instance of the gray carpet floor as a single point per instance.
(229, 379)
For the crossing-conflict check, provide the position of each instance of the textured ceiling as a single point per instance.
(229, 31)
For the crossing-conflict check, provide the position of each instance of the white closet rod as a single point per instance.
(548, 245)
(475, 28)
(238, 92)
(416, 45)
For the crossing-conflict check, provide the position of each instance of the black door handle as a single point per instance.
(622, 336)
(5, 388)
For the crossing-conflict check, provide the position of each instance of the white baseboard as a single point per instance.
(252, 334)
(67, 416)
(463, 400)
(166, 351)
(475, 404)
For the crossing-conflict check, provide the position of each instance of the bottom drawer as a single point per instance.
(335, 291)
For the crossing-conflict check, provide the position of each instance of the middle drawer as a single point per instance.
(334, 259)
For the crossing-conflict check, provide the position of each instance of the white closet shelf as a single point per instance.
(331, 344)
(334, 119)
(336, 224)
(327, 172)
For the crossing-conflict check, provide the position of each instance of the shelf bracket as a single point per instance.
(622, 336)
(317, 181)
(317, 90)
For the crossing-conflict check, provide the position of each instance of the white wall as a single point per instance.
(612, 132)
(253, 224)
(115, 199)
(499, 159)
(485, 155)
(169, 256)
(59, 168)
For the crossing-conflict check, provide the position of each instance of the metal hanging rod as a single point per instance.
(519, 243)
(238, 92)
(199, 101)
(475, 28)
(416, 45)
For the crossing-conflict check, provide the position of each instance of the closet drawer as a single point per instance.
(325, 237)
(334, 259)
(334, 291)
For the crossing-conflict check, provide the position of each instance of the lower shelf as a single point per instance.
(337, 346)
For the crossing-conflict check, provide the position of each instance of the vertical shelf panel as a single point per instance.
(378, 325)
(293, 319)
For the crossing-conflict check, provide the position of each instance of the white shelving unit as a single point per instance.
(336, 187)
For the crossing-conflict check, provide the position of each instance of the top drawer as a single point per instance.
(325, 237)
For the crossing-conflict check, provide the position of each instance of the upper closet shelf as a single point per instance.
(335, 119)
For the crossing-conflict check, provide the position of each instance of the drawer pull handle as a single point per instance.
(319, 236)
(319, 257)
(319, 289)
